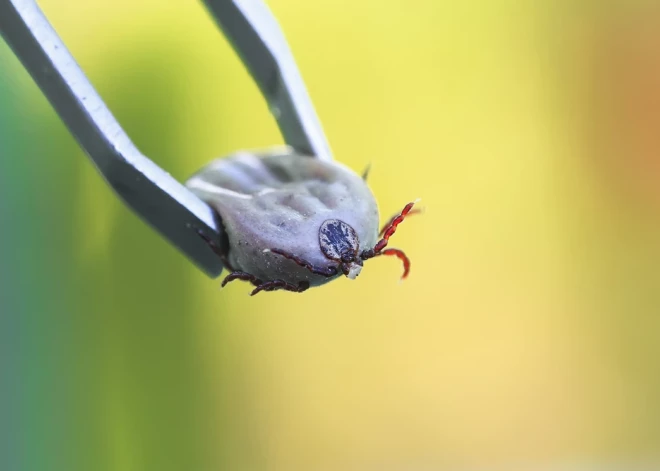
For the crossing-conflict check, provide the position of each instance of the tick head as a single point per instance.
(351, 268)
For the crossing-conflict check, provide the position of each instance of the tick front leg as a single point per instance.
(389, 230)
(280, 284)
(400, 254)
(393, 218)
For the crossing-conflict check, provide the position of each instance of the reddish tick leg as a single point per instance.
(323, 271)
(401, 256)
(391, 221)
(390, 229)
(280, 284)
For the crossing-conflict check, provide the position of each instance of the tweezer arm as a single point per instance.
(157, 197)
(257, 38)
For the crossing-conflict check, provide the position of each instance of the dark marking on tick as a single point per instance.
(337, 238)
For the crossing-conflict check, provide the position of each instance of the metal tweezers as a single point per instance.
(152, 193)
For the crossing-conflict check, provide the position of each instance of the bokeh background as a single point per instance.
(527, 336)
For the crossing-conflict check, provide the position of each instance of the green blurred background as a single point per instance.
(528, 334)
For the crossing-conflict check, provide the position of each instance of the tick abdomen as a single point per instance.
(281, 201)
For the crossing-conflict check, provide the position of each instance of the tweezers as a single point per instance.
(152, 193)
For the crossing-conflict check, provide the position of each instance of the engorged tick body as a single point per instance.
(291, 221)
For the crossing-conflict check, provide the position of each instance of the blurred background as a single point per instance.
(527, 336)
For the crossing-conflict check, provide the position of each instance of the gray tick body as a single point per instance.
(291, 221)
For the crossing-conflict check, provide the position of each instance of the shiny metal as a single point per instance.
(255, 35)
(158, 198)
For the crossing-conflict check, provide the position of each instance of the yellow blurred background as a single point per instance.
(528, 333)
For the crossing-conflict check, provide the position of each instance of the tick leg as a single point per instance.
(391, 221)
(265, 285)
(217, 249)
(323, 271)
(280, 284)
(365, 173)
(387, 232)
(241, 275)
(400, 254)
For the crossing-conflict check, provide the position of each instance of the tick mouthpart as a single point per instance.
(348, 257)
(353, 270)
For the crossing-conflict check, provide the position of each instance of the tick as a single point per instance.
(293, 222)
